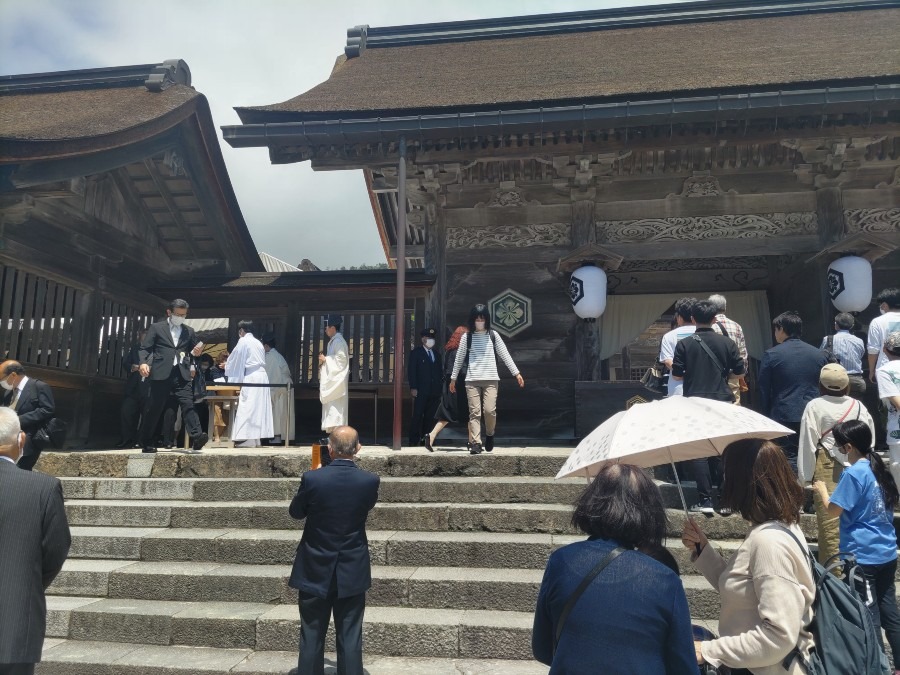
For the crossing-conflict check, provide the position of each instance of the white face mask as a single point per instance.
(429, 343)
(479, 325)
(176, 320)
(6, 385)
(882, 309)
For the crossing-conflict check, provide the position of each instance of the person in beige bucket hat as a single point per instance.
(818, 457)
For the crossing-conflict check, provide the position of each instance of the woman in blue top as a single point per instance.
(864, 499)
(633, 617)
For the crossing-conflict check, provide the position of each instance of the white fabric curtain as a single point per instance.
(627, 316)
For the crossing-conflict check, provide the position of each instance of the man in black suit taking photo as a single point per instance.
(33, 402)
(165, 355)
(332, 570)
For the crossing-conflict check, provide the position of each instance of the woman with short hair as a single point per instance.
(864, 501)
(480, 353)
(766, 587)
(633, 616)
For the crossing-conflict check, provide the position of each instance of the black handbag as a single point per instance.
(53, 434)
(655, 379)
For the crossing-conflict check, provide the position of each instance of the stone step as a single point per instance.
(75, 657)
(460, 588)
(433, 517)
(549, 518)
(277, 547)
(389, 631)
(518, 489)
(279, 463)
(427, 587)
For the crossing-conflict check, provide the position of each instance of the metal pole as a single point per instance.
(399, 345)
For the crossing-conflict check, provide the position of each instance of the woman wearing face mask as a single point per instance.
(424, 374)
(480, 350)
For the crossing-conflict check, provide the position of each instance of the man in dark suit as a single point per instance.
(33, 402)
(136, 389)
(165, 357)
(425, 374)
(34, 543)
(332, 570)
(789, 378)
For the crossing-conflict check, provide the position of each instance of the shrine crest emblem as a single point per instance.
(510, 312)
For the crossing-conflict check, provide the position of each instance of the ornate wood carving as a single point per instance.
(877, 221)
(895, 181)
(683, 264)
(507, 196)
(701, 185)
(727, 226)
(509, 236)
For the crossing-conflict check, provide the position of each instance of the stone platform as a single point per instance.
(179, 562)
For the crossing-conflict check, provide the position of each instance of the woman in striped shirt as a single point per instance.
(480, 350)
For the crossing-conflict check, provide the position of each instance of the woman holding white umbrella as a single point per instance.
(766, 587)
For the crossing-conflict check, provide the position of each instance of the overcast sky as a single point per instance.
(248, 53)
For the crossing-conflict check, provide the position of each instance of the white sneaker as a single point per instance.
(705, 507)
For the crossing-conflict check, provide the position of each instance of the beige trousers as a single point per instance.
(482, 397)
(829, 472)
(734, 383)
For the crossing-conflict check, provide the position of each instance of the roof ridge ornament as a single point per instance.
(163, 76)
(356, 41)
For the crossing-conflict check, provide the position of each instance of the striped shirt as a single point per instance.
(848, 350)
(483, 363)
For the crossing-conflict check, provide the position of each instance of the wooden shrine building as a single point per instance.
(722, 146)
(114, 199)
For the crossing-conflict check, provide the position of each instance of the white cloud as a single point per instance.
(242, 54)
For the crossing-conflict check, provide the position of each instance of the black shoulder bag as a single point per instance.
(570, 603)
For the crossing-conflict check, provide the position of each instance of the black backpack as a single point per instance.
(842, 628)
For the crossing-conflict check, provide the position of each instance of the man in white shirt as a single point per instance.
(334, 376)
(683, 328)
(888, 379)
(882, 326)
(247, 364)
(279, 373)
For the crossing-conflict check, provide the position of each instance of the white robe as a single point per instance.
(247, 363)
(279, 373)
(334, 391)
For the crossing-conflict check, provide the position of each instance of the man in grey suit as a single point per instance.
(34, 543)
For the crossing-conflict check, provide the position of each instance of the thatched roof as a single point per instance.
(629, 63)
(63, 115)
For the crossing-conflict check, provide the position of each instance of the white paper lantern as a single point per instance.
(587, 288)
(850, 283)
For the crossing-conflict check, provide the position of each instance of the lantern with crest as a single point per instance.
(587, 288)
(850, 283)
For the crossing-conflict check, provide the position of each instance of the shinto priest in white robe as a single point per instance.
(334, 374)
(279, 373)
(247, 363)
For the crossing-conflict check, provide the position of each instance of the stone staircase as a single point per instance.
(179, 563)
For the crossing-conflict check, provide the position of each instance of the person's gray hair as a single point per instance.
(719, 301)
(9, 427)
(844, 321)
(178, 303)
(344, 441)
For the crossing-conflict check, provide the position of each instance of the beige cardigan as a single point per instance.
(766, 591)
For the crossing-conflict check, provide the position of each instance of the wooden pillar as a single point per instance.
(435, 263)
(85, 351)
(830, 217)
(587, 335)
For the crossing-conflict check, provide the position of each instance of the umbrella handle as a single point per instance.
(687, 514)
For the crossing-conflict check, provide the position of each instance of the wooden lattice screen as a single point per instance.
(118, 331)
(370, 340)
(36, 319)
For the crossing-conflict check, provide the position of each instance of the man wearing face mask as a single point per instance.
(34, 543)
(424, 372)
(165, 355)
(32, 400)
